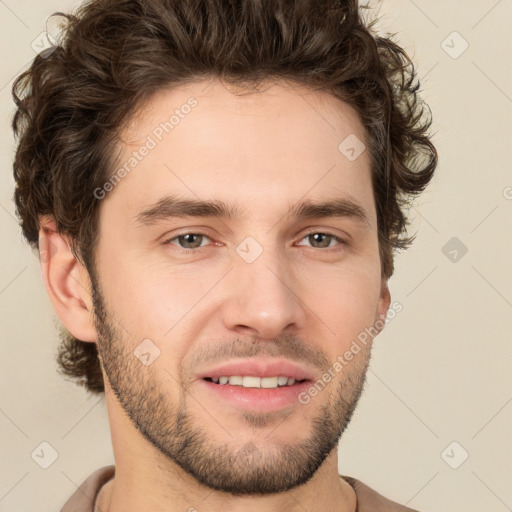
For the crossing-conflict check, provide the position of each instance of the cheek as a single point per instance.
(158, 300)
(345, 301)
(153, 301)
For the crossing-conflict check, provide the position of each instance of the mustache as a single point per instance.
(287, 346)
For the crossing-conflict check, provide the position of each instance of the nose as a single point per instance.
(262, 298)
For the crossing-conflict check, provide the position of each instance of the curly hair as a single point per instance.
(112, 55)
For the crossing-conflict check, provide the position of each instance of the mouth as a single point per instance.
(260, 372)
(256, 385)
(249, 381)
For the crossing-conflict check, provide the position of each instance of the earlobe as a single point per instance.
(66, 281)
(384, 303)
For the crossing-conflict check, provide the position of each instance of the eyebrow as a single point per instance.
(173, 206)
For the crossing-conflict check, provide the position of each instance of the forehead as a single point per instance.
(211, 141)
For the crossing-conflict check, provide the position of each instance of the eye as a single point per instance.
(321, 240)
(188, 241)
(193, 242)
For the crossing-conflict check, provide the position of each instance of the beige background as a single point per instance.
(441, 369)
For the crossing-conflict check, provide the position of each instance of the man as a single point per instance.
(216, 190)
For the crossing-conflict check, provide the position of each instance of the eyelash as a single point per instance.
(199, 250)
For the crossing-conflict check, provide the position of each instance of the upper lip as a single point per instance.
(258, 368)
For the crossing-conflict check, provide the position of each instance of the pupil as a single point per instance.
(322, 242)
(188, 241)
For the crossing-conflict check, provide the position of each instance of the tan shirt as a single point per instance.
(83, 499)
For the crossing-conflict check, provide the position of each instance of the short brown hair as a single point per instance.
(114, 54)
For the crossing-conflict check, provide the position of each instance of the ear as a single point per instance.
(67, 282)
(383, 305)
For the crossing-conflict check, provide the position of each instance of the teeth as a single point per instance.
(249, 381)
(269, 382)
(281, 381)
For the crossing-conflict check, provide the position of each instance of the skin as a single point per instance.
(263, 152)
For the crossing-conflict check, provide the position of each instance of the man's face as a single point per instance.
(272, 293)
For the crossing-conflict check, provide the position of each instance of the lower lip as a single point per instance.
(257, 399)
